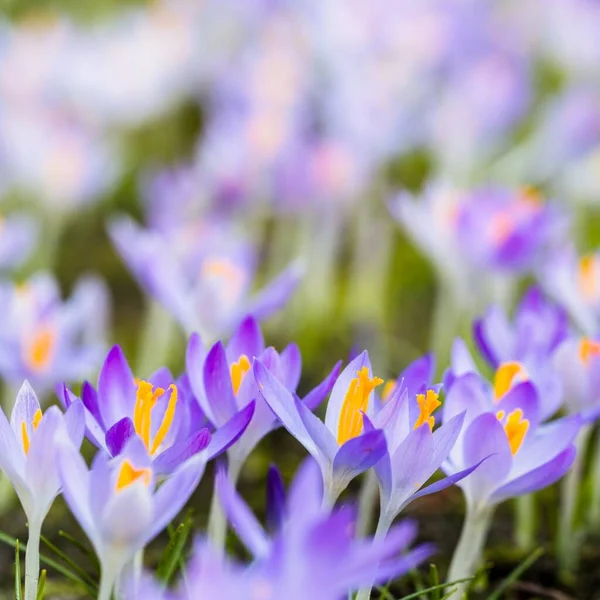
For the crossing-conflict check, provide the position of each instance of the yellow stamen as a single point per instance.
(146, 399)
(506, 376)
(588, 349)
(428, 403)
(388, 389)
(226, 274)
(589, 274)
(239, 370)
(128, 474)
(516, 428)
(37, 417)
(356, 400)
(40, 349)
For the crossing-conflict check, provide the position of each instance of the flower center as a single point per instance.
(507, 375)
(588, 349)
(515, 427)
(146, 399)
(128, 474)
(40, 350)
(239, 370)
(428, 403)
(355, 403)
(37, 417)
(226, 277)
(589, 275)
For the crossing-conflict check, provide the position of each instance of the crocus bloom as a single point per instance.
(299, 561)
(577, 362)
(223, 384)
(28, 454)
(574, 282)
(163, 414)
(18, 239)
(339, 445)
(118, 504)
(509, 375)
(537, 328)
(47, 340)
(209, 292)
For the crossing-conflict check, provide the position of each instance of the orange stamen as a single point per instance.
(128, 474)
(588, 349)
(516, 428)
(356, 400)
(428, 403)
(589, 273)
(35, 422)
(506, 376)
(238, 371)
(41, 349)
(388, 389)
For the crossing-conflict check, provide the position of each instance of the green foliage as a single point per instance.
(18, 592)
(172, 558)
(41, 585)
(497, 594)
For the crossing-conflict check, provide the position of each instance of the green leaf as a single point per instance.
(434, 579)
(79, 571)
(41, 585)
(89, 552)
(385, 594)
(434, 588)
(17, 571)
(91, 589)
(515, 574)
(173, 553)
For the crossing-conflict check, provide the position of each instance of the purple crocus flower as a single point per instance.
(522, 456)
(209, 291)
(162, 413)
(222, 383)
(509, 375)
(19, 236)
(299, 561)
(538, 327)
(28, 459)
(118, 504)
(577, 362)
(339, 445)
(47, 340)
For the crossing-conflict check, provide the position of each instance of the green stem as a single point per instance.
(594, 510)
(217, 521)
(525, 522)
(366, 503)
(32, 560)
(469, 550)
(568, 541)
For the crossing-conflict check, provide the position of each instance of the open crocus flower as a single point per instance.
(508, 377)
(296, 562)
(161, 413)
(574, 282)
(118, 504)
(28, 458)
(414, 450)
(209, 289)
(224, 385)
(577, 362)
(537, 328)
(17, 240)
(339, 445)
(523, 456)
(47, 340)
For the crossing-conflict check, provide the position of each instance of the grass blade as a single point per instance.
(17, 571)
(515, 574)
(79, 571)
(82, 547)
(385, 594)
(434, 579)
(41, 585)
(434, 588)
(174, 551)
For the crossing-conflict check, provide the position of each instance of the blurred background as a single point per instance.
(204, 149)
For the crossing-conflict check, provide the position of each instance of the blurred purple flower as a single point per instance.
(47, 340)
(209, 290)
(18, 239)
(339, 445)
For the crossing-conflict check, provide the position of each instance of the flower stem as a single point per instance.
(366, 503)
(383, 526)
(217, 521)
(155, 339)
(32, 560)
(525, 522)
(594, 510)
(469, 549)
(568, 541)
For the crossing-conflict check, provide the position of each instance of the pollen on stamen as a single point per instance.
(428, 403)
(515, 427)
(588, 349)
(128, 474)
(238, 372)
(507, 375)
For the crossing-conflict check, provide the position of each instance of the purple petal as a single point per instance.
(539, 478)
(172, 457)
(522, 396)
(194, 364)
(418, 374)
(275, 501)
(241, 517)
(75, 422)
(228, 434)
(89, 397)
(314, 398)
(291, 366)
(247, 340)
(305, 496)
(359, 454)
(116, 388)
(326, 444)
(461, 360)
(217, 385)
(24, 409)
(118, 435)
(480, 339)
